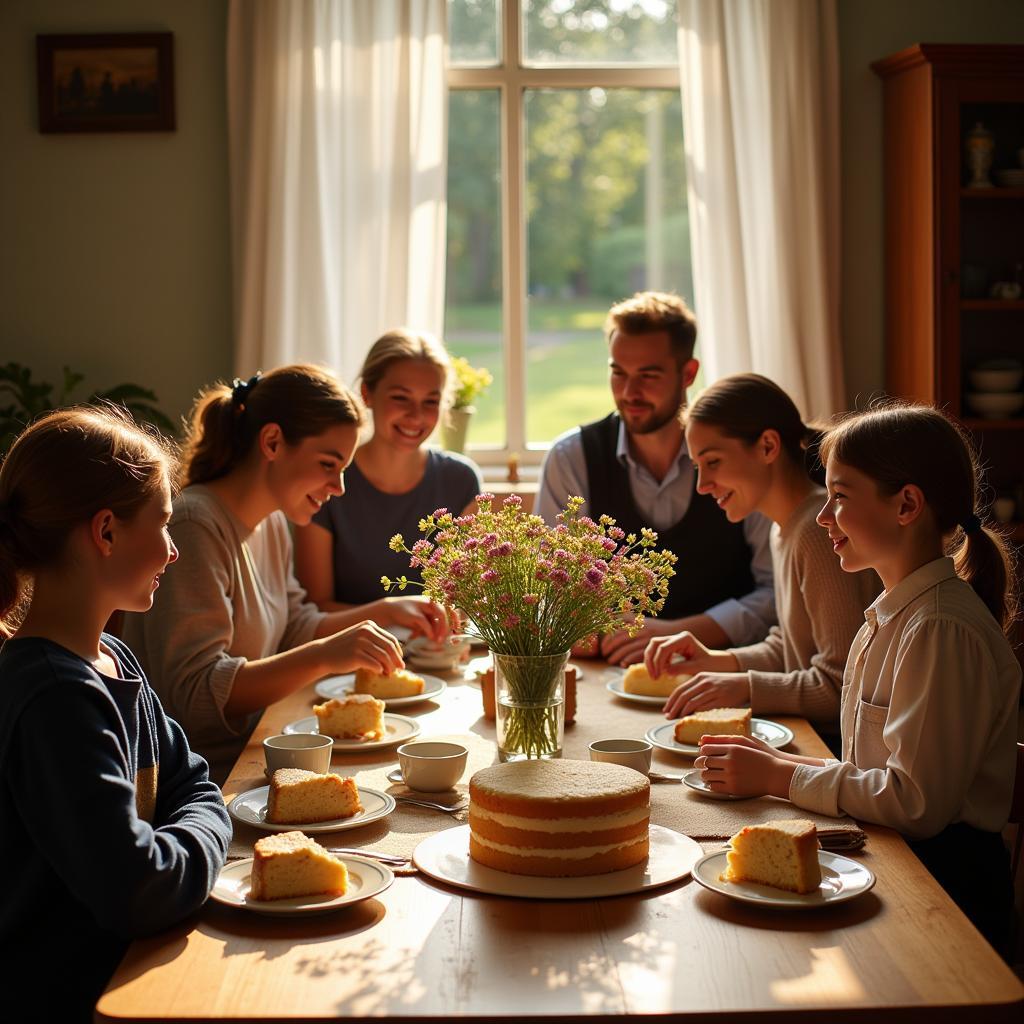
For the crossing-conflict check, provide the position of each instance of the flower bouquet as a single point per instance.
(531, 591)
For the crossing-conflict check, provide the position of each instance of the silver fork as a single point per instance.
(447, 808)
(387, 858)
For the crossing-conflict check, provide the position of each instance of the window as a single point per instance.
(566, 193)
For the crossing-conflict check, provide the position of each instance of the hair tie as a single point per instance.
(972, 524)
(240, 388)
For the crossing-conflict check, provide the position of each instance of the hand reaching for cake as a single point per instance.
(708, 690)
(419, 614)
(364, 645)
(683, 652)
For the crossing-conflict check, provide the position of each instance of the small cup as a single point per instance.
(308, 751)
(634, 754)
(431, 766)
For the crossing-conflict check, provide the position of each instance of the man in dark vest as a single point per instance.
(633, 465)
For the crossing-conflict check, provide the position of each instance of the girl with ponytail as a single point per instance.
(931, 688)
(753, 452)
(109, 824)
(233, 631)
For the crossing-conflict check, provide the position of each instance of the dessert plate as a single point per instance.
(397, 729)
(693, 780)
(615, 686)
(663, 736)
(250, 808)
(445, 856)
(342, 686)
(841, 879)
(366, 878)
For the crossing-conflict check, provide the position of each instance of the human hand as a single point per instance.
(708, 690)
(743, 766)
(683, 652)
(418, 614)
(588, 647)
(619, 648)
(364, 645)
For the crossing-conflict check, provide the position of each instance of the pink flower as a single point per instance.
(504, 598)
(511, 621)
(593, 578)
(490, 576)
(484, 496)
(608, 544)
(512, 500)
(561, 555)
(472, 544)
(530, 599)
(438, 512)
(458, 567)
(464, 520)
(588, 523)
(559, 576)
(489, 539)
(615, 533)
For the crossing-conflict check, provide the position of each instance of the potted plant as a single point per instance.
(22, 399)
(470, 383)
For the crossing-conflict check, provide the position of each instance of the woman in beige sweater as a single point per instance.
(754, 453)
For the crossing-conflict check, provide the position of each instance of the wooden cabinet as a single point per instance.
(947, 244)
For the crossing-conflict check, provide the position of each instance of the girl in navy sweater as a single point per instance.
(109, 825)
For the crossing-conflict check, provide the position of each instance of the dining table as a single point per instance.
(425, 949)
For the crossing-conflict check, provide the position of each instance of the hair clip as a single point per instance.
(240, 388)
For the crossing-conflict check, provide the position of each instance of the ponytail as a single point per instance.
(302, 400)
(896, 444)
(745, 405)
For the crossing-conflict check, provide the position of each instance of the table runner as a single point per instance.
(599, 715)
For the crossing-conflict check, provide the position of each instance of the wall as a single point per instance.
(114, 248)
(868, 30)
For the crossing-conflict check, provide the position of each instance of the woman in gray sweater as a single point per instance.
(231, 632)
(754, 453)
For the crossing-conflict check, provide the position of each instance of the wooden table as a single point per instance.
(422, 950)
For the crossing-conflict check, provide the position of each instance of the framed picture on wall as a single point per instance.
(120, 82)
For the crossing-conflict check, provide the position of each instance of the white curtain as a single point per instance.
(760, 103)
(337, 114)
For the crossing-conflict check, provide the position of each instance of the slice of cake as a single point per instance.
(559, 818)
(716, 722)
(299, 797)
(292, 864)
(401, 683)
(638, 680)
(358, 716)
(782, 854)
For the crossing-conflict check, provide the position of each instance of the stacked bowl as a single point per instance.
(996, 389)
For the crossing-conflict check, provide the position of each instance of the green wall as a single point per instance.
(114, 248)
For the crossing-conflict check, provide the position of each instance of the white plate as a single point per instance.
(615, 686)
(693, 780)
(341, 686)
(397, 729)
(663, 736)
(445, 856)
(250, 808)
(366, 878)
(841, 879)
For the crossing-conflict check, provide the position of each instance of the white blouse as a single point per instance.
(928, 715)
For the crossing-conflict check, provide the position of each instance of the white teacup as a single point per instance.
(432, 766)
(308, 751)
(634, 754)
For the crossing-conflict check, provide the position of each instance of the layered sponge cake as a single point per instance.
(299, 797)
(637, 679)
(559, 818)
(716, 722)
(782, 854)
(358, 716)
(401, 683)
(292, 864)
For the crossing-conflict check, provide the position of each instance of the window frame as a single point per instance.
(511, 77)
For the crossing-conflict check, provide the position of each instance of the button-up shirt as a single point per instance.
(929, 714)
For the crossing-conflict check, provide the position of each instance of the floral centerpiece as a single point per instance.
(531, 591)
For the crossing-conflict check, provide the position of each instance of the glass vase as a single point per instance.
(529, 694)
